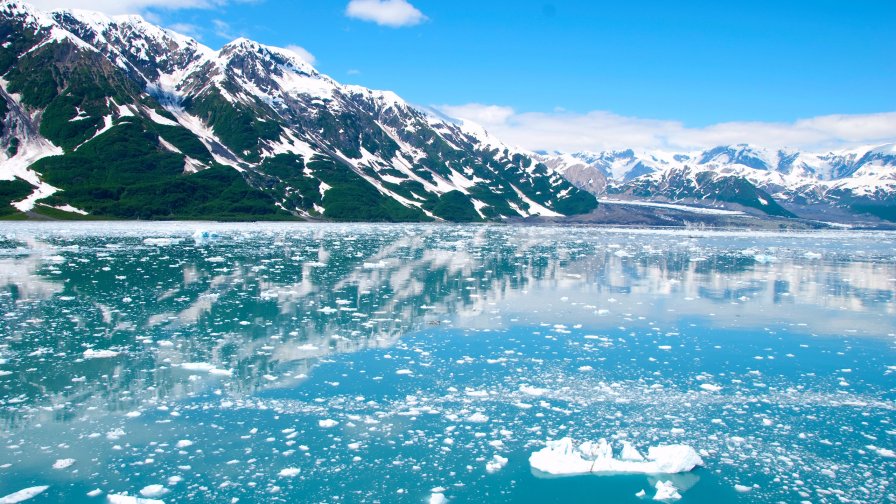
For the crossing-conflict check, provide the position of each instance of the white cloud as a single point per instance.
(125, 6)
(302, 53)
(187, 29)
(393, 13)
(599, 130)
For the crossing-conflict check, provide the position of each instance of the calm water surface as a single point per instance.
(366, 363)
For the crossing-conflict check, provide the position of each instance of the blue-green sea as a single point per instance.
(256, 363)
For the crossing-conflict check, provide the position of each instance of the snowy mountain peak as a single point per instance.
(25, 14)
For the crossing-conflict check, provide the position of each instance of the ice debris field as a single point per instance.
(179, 363)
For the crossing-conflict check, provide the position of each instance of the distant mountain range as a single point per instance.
(842, 185)
(114, 117)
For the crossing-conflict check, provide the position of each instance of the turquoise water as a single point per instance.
(373, 363)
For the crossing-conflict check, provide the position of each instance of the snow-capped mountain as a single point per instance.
(116, 117)
(773, 181)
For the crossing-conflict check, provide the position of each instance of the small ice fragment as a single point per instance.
(641, 494)
(884, 452)
(289, 472)
(666, 490)
(96, 492)
(404, 372)
(477, 418)
(532, 391)
(23, 495)
(100, 354)
(183, 443)
(197, 366)
(437, 498)
(742, 488)
(63, 463)
(328, 423)
(495, 464)
(153, 491)
(709, 387)
(128, 499)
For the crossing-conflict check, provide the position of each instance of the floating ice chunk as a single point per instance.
(100, 354)
(563, 458)
(289, 472)
(477, 418)
(884, 452)
(328, 423)
(63, 463)
(764, 259)
(205, 367)
(709, 387)
(153, 491)
(742, 488)
(404, 372)
(160, 242)
(666, 491)
(96, 492)
(23, 495)
(495, 464)
(437, 498)
(533, 391)
(183, 443)
(128, 499)
(197, 366)
(641, 494)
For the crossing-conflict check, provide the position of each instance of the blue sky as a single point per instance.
(699, 62)
(695, 63)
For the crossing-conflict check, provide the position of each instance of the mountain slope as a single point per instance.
(116, 117)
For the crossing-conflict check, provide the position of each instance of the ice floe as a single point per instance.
(666, 491)
(564, 458)
(23, 495)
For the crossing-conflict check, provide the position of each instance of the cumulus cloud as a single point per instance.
(126, 6)
(302, 53)
(392, 13)
(600, 130)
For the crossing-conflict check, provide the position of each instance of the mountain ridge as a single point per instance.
(850, 183)
(315, 147)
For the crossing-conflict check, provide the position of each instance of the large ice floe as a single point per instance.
(564, 458)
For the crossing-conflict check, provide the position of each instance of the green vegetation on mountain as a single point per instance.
(239, 127)
(10, 192)
(350, 197)
(124, 173)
